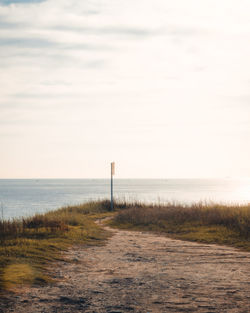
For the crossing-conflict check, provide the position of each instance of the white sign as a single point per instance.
(113, 168)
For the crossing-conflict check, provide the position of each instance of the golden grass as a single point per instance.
(16, 274)
(201, 222)
(28, 245)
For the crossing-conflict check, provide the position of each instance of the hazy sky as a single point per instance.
(162, 87)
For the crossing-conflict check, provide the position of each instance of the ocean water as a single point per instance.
(25, 197)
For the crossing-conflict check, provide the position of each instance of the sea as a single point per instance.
(26, 197)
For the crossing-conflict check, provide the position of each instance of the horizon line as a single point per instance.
(108, 178)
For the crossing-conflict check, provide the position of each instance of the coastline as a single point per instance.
(29, 245)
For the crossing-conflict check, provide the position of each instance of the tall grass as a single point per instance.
(30, 243)
(188, 220)
(27, 245)
(52, 222)
(32, 225)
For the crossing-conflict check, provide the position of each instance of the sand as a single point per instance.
(143, 272)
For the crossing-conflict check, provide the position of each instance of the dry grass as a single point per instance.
(31, 243)
(212, 223)
(28, 245)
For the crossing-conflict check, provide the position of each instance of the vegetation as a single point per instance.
(201, 222)
(27, 245)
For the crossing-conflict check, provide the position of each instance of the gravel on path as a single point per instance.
(143, 272)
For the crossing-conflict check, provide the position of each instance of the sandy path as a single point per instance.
(142, 272)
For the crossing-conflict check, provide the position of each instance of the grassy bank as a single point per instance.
(208, 223)
(28, 245)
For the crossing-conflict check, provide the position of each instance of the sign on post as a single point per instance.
(112, 174)
(113, 168)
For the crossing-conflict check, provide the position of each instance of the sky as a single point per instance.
(161, 87)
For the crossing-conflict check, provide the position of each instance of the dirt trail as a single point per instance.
(142, 272)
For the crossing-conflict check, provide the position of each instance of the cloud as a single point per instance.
(26, 42)
(8, 2)
(5, 25)
(113, 66)
(42, 43)
(46, 34)
(111, 30)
